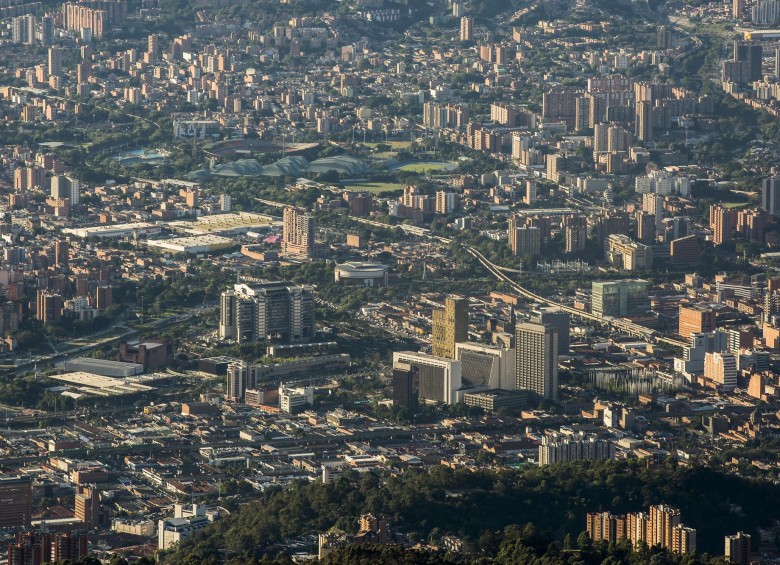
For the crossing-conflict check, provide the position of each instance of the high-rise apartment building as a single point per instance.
(104, 297)
(62, 187)
(624, 298)
(30, 548)
(47, 30)
(575, 238)
(560, 448)
(525, 241)
(61, 252)
(770, 194)
(240, 377)
(76, 17)
(721, 368)
(536, 348)
(645, 228)
(661, 527)
(606, 526)
(467, 28)
(279, 311)
(449, 325)
(723, 222)
(695, 319)
(737, 548)
(663, 519)
(49, 306)
(654, 204)
(298, 232)
(23, 30)
(15, 501)
(683, 539)
(70, 546)
(55, 62)
(638, 527)
(446, 202)
(644, 121)
(153, 45)
(610, 224)
(87, 507)
(225, 203)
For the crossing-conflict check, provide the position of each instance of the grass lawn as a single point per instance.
(427, 166)
(394, 144)
(374, 187)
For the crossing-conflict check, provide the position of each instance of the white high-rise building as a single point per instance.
(439, 377)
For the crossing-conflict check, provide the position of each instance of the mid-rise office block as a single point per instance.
(624, 253)
(293, 400)
(624, 298)
(692, 361)
(685, 251)
(694, 319)
(87, 507)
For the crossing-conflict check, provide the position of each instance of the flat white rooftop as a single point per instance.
(98, 385)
